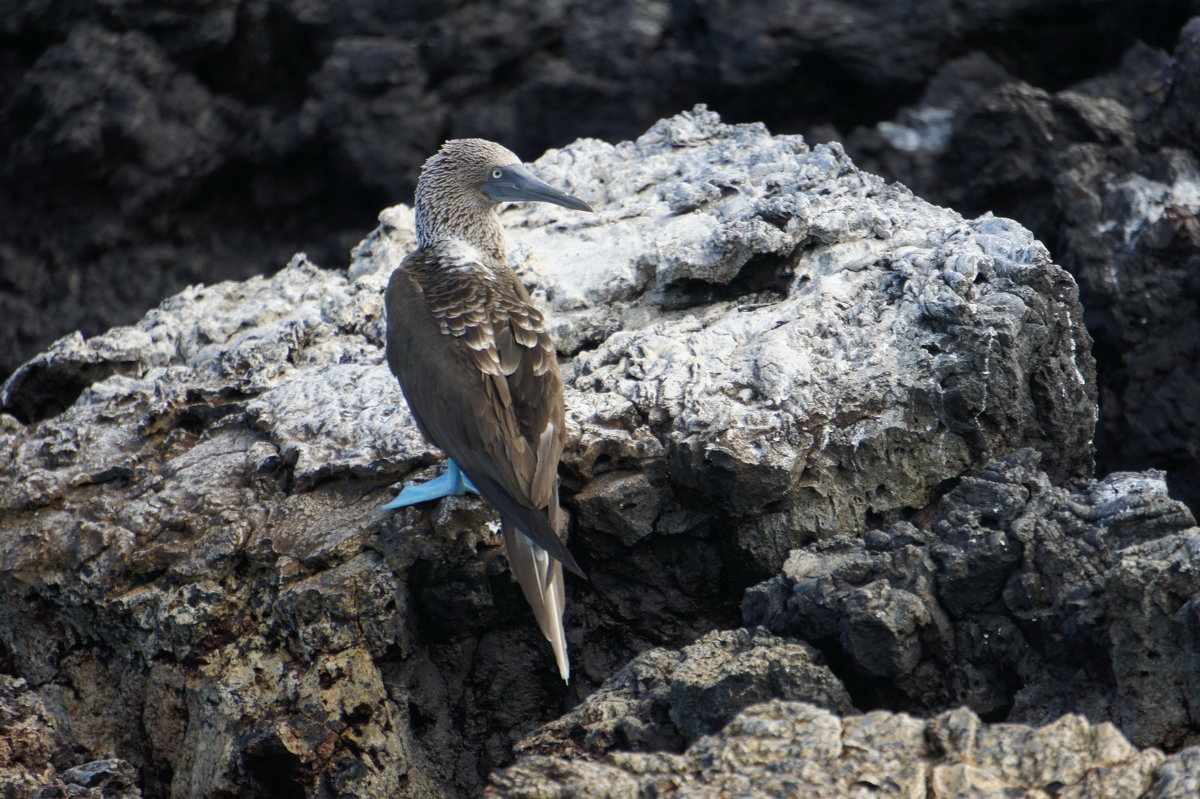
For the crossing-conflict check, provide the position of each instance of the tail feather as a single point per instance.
(541, 580)
(540, 575)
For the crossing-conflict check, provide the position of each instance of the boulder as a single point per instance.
(1105, 173)
(664, 699)
(1019, 599)
(762, 346)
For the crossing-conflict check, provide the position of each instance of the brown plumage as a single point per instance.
(476, 364)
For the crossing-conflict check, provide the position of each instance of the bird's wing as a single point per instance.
(486, 354)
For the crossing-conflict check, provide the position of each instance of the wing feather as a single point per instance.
(483, 318)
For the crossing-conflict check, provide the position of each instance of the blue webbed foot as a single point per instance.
(453, 483)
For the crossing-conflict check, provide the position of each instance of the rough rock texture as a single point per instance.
(763, 346)
(665, 699)
(29, 739)
(157, 144)
(1068, 614)
(784, 748)
(1022, 600)
(1178, 777)
(33, 750)
(1106, 174)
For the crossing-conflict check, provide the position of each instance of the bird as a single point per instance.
(478, 367)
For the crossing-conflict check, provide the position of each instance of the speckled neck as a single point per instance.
(446, 209)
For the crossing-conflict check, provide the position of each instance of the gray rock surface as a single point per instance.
(664, 700)
(112, 778)
(762, 346)
(1065, 614)
(784, 748)
(1021, 600)
(1178, 777)
(717, 331)
(1104, 172)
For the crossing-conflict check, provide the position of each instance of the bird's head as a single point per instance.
(493, 173)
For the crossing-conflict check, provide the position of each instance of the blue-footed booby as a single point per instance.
(478, 368)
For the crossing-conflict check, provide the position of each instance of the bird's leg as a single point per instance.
(452, 483)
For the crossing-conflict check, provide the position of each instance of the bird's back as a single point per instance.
(463, 333)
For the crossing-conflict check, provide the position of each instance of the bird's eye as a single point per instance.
(497, 174)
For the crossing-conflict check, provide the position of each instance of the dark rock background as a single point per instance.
(144, 147)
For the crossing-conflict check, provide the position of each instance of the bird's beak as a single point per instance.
(517, 184)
